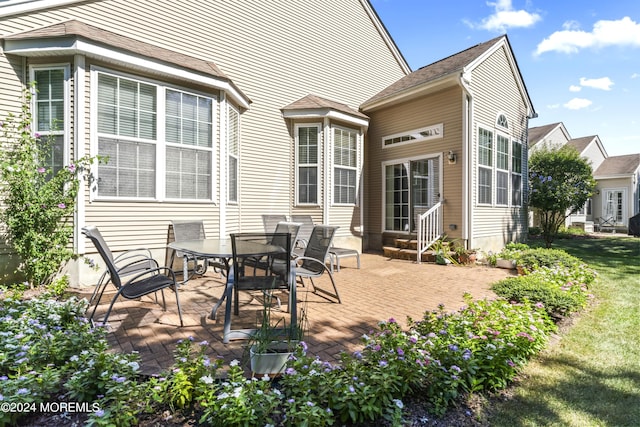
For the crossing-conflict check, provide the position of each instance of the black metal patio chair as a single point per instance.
(144, 282)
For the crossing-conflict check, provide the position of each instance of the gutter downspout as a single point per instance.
(467, 151)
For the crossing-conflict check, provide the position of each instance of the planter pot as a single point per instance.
(506, 263)
(272, 362)
(468, 258)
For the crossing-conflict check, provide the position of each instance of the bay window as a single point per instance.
(49, 113)
(345, 163)
(233, 144)
(307, 164)
(159, 140)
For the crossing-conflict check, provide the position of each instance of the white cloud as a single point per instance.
(577, 104)
(635, 75)
(574, 88)
(623, 32)
(506, 17)
(603, 83)
(553, 106)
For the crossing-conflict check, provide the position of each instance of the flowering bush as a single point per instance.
(189, 379)
(48, 347)
(481, 346)
(39, 201)
(240, 401)
(557, 280)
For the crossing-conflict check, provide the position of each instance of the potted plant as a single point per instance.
(272, 343)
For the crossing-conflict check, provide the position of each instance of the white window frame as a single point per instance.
(335, 166)
(65, 132)
(231, 109)
(160, 142)
(504, 172)
(413, 136)
(490, 168)
(298, 164)
(513, 173)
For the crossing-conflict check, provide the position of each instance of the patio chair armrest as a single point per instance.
(301, 259)
(133, 253)
(170, 273)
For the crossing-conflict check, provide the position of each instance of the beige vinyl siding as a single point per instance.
(442, 107)
(594, 154)
(495, 90)
(274, 52)
(127, 224)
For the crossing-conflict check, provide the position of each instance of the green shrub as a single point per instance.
(532, 259)
(557, 301)
(535, 231)
(39, 200)
(480, 347)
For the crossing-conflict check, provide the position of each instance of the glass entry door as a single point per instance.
(614, 211)
(412, 188)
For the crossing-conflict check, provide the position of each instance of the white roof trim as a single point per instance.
(16, 7)
(314, 114)
(92, 50)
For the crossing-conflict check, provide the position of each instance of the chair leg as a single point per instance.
(99, 294)
(335, 289)
(175, 289)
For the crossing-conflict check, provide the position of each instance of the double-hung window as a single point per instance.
(345, 165)
(485, 166)
(127, 134)
(189, 137)
(158, 140)
(49, 113)
(502, 170)
(516, 173)
(233, 144)
(307, 164)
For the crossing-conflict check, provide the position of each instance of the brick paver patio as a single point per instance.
(381, 289)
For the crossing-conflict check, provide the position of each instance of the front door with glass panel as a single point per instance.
(614, 212)
(411, 188)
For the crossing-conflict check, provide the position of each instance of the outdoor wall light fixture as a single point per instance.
(451, 157)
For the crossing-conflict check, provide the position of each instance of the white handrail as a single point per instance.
(429, 228)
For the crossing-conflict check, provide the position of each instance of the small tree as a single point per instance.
(561, 182)
(38, 202)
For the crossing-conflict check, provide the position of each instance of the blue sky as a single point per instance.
(580, 60)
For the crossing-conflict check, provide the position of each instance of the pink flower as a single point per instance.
(41, 170)
(62, 205)
(72, 168)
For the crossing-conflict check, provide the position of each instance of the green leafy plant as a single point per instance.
(240, 401)
(39, 201)
(561, 182)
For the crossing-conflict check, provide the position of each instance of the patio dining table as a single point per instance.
(222, 249)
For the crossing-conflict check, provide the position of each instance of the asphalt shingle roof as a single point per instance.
(444, 67)
(619, 165)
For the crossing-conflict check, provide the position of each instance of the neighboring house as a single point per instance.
(618, 188)
(446, 146)
(217, 110)
(617, 196)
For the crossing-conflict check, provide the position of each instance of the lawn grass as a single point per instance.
(591, 376)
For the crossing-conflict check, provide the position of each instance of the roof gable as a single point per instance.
(539, 133)
(452, 67)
